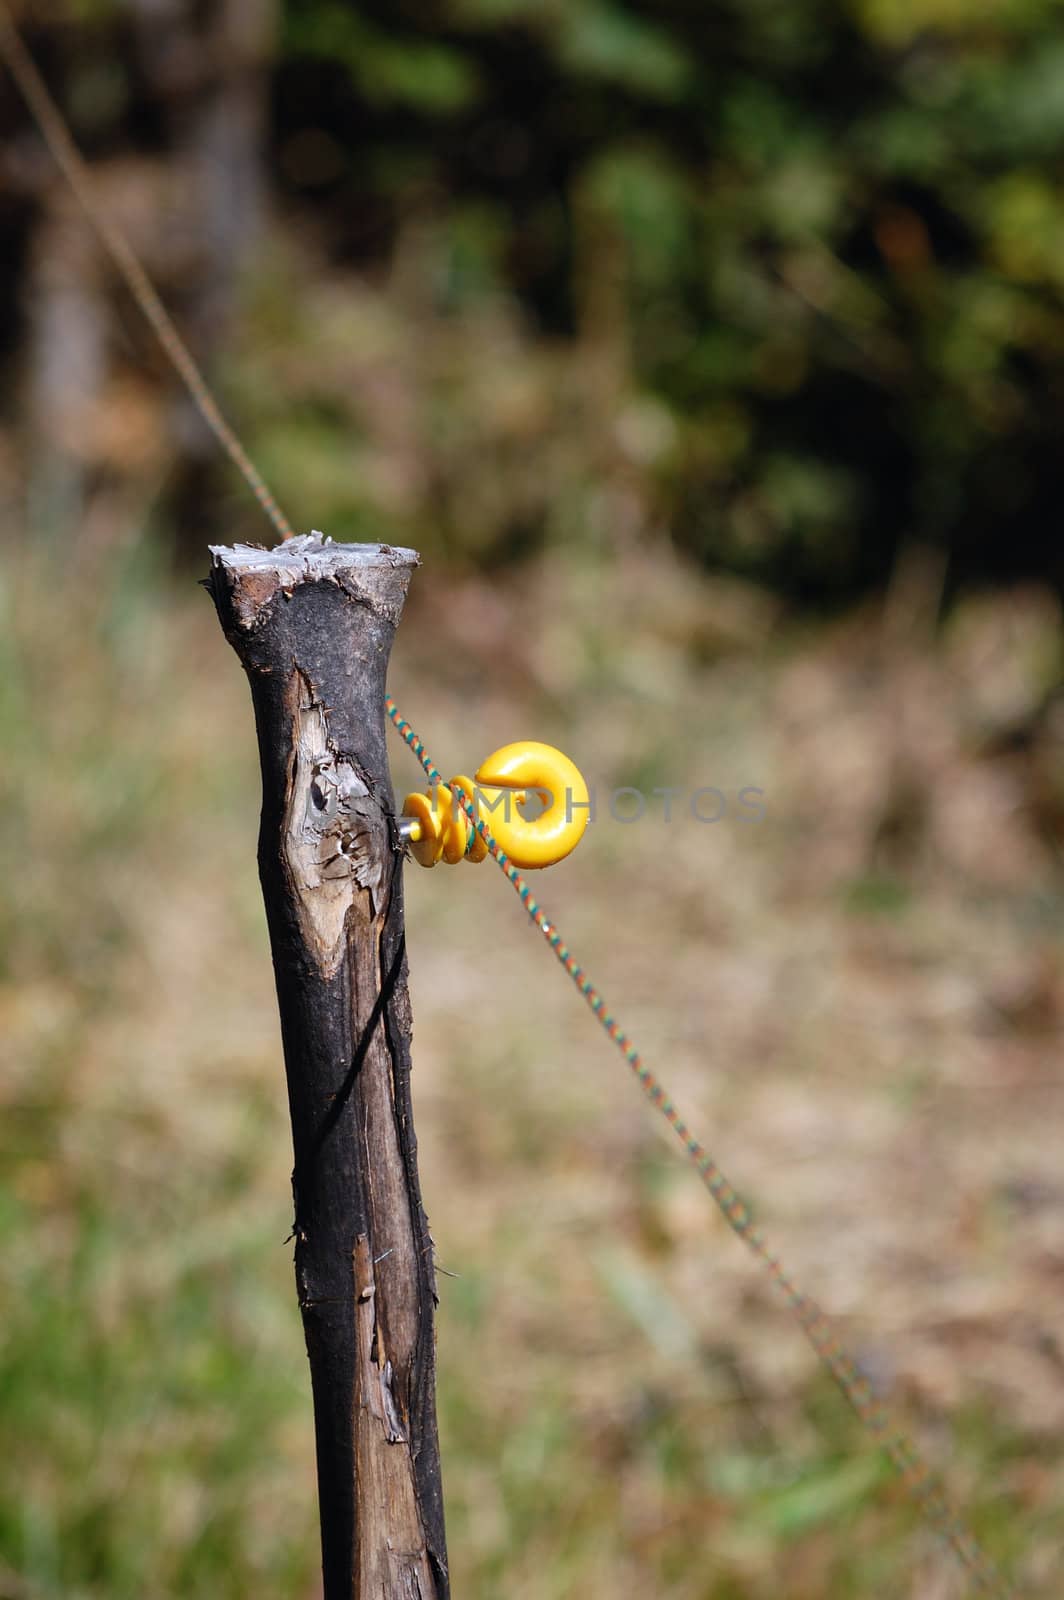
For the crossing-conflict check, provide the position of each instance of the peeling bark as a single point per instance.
(312, 623)
(329, 848)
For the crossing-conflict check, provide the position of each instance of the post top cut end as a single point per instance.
(247, 582)
(309, 556)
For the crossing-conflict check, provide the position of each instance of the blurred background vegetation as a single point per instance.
(712, 353)
(781, 279)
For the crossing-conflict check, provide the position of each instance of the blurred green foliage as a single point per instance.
(823, 238)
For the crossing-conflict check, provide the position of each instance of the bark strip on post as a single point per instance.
(312, 623)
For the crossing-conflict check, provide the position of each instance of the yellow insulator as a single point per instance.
(442, 830)
(438, 828)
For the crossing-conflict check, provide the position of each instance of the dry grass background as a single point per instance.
(858, 1001)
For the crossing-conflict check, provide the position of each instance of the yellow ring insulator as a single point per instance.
(442, 831)
(543, 840)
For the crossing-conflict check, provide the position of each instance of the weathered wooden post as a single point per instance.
(313, 623)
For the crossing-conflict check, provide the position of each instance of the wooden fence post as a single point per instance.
(312, 623)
